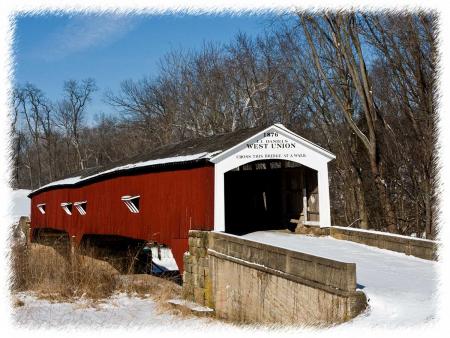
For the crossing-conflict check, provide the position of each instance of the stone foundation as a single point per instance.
(196, 281)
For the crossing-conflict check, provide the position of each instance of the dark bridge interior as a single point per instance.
(266, 195)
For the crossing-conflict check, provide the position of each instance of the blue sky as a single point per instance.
(51, 49)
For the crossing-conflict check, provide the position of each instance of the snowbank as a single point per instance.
(20, 204)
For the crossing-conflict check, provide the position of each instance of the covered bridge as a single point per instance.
(253, 179)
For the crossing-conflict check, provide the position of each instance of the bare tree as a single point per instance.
(407, 46)
(71, 111)
(339, 35)
(28, 101)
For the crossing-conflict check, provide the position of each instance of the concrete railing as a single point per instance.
(422, 248)
(313, 270)
(246, 281)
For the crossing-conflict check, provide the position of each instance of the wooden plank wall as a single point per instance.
(171, 203)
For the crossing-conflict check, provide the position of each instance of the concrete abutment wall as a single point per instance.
(418, 247)
(421, 248)
(246, 281)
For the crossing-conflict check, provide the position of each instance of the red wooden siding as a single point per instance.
(171, 203)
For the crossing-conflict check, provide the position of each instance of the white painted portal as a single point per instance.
(275, 142)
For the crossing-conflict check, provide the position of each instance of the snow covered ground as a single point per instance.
(117, 311)
(401, 289)
(20, 204)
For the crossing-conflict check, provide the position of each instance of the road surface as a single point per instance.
(401, 289)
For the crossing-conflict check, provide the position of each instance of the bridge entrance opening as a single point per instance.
(269, 195)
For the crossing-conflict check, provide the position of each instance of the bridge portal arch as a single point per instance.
(276, 144)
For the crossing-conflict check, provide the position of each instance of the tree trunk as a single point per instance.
(80, 158)
(429, 229)
(360, 198)
(38, 153)
(383, 195)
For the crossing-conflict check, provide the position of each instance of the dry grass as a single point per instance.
(143, 284)
(42, 269)
(58, 277)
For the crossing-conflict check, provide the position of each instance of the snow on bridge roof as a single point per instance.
(193, 150)
(190, 151)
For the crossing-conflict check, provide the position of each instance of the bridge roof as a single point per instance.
(196, 150)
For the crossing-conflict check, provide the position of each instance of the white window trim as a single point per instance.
(65, 207)
(128, 200)
(79, 207)
(41, 207)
